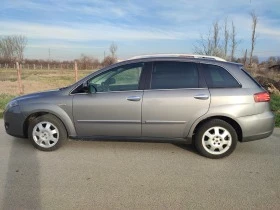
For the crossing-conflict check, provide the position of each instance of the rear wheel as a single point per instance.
(47, 132)
(215, 139)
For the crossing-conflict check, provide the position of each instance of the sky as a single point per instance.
(68, 28)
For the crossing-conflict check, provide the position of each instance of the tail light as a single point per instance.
(262, 97)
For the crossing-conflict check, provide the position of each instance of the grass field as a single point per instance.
(39, 80)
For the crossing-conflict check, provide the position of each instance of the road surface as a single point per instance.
(133, 175)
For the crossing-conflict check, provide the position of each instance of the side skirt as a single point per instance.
(131, 139)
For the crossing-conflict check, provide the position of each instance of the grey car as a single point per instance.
(205, 101)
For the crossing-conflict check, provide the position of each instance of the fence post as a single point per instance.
(76, 71)
(19, 79)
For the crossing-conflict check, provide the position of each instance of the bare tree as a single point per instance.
(20, 43)
(210, 45)
(7, 48)
(226, 37)
(216, 36)
(113, 49)
(253, 39)
(12, 47)
(233, 41)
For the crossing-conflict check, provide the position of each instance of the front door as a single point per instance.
(115, 108)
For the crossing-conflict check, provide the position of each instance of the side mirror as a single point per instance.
(91, 88)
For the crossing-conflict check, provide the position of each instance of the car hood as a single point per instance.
(37, 95)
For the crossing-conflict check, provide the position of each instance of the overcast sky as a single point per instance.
(71, 27)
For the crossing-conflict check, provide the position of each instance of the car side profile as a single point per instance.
(202, 100)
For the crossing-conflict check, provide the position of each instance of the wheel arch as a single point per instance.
(227, 119)
(63, 117)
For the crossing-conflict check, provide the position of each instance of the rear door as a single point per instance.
(174, 100)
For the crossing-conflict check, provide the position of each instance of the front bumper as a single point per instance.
(257, 126)
(14, 121)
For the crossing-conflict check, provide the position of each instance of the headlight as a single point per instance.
(11, 104)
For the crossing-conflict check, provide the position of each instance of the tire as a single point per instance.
(215, 139)
(47, 132)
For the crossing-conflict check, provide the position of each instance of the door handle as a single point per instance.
(201, 96)
(133, 98)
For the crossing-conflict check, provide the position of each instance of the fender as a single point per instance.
(52, 109)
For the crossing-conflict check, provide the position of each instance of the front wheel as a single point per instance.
(215, 139)
(47, 132)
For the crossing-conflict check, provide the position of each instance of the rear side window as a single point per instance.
(174, 75)
(218, 77)
(248, 74)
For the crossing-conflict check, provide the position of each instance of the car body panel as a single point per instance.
(108, 113)
(171, 112)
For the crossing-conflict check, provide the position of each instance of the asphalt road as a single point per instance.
(131, 175)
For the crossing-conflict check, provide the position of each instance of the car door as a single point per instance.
(115, 108)
(175, 99)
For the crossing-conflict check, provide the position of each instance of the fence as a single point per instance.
(19, 69)
(46, 66)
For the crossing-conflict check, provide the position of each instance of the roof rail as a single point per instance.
(179, 55)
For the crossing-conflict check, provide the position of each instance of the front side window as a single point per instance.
(121, 78)
(174, 75)
(218, 77)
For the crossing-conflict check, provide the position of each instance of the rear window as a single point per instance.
(218, 77)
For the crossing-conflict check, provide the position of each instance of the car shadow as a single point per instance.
(188, 147)
(22, 186)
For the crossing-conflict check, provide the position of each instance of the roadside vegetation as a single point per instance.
(275, 106)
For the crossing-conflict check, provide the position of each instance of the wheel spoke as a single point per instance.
(225, 134)
(40, 126)
(209, 135)
(53, 139)
(53, 131)
(217, 132)
(212, 148)
(39, 141)
(48, 125)
(37, 134)
(221, 148)
(47, 143)
(208, 142)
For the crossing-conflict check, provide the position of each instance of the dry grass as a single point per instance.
(37, 80)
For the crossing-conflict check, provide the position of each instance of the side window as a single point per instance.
(121, 78)
(218, 77)
(174, 75)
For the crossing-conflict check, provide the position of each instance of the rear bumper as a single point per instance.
(257, 126)
(13, 122)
